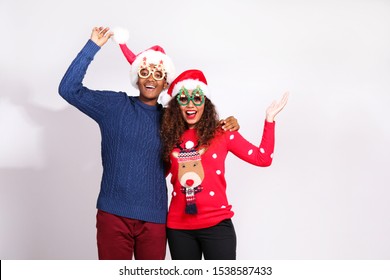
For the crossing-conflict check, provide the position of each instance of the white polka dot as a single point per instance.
(212, 193)
(262, 150)
(214, 155)
(174, 193)
(218, 172)
(189, 144)
(231, 137)
(250, 152)
(223, 206)
(272, 155)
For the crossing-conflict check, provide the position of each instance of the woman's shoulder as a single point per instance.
(223, 135)
(226, 133)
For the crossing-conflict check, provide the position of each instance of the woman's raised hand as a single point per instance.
(276, 107)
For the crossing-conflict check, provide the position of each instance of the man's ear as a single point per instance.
(166, 85)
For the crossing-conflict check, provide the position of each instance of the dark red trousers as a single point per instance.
(120, 238)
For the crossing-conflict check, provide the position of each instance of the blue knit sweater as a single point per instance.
(133, 183)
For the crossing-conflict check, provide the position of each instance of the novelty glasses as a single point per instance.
(157, 74)
(184, 98)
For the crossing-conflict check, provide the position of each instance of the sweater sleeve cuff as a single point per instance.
(90, 49)
(269, 124)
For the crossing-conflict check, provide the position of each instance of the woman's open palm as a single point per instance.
(276, 107)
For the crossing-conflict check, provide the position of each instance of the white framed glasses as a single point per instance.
(157, 74)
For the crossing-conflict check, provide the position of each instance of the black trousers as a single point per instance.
(218, 242)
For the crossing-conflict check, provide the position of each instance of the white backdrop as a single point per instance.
(326, 196)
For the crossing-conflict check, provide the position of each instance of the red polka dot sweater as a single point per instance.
(198, 176)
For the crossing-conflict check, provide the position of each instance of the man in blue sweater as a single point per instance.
(132, 203)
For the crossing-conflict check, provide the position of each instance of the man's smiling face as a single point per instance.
(151, 86)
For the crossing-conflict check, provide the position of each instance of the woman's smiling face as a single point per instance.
(191, 113)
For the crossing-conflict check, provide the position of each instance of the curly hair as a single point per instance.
(173, 126)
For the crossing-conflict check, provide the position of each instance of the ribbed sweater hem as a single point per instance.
(143, 213)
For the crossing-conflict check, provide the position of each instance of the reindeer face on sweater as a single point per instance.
(191, 174)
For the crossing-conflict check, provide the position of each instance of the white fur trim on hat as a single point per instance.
(164, 98)
(190, 85)
(152, 57)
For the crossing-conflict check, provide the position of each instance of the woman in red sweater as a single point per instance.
(195, 148)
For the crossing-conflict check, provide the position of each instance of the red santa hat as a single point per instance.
(154, 55)
(190, 79)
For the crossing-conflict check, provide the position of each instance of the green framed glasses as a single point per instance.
(197, 97)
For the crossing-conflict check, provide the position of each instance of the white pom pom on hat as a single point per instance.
(121, 35)
(154, 55)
